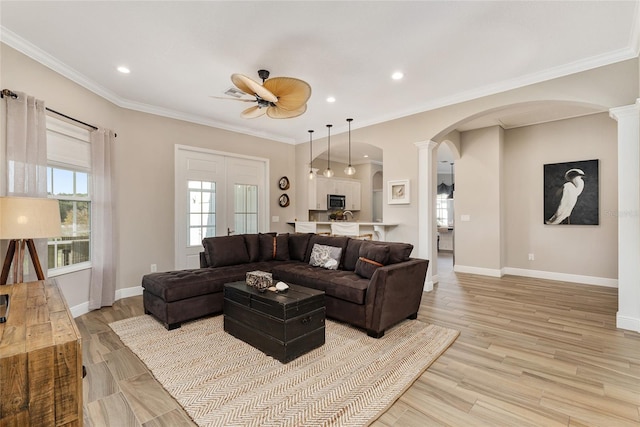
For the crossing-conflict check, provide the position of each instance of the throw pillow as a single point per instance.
(274, 247)
(335, 241)
(371, 258)
(325, 256)
(225, 250)
(253, 245)
(298, 243)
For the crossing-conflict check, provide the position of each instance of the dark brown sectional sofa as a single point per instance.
(376, 284)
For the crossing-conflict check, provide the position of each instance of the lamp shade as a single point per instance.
(29, 218)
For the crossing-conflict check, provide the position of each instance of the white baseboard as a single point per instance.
(626, 322)
(562, 277)
(128, 292)
(477, 270)
(537, 274)
(80, 309)
(83, 308)
(428, 284)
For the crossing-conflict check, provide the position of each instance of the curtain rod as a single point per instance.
(10, 94)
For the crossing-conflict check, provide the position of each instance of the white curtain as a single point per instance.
(102, 290)
(26, 157)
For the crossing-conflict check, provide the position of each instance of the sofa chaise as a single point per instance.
(369, 284)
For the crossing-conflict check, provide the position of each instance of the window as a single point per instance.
(71, 188)
(442, 210)
(69, 181)
(202, 211)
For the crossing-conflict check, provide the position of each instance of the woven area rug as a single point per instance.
(222, 381)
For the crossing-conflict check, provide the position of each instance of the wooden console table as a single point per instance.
(40, 359)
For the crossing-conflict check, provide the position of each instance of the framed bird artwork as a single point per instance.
(571, 193)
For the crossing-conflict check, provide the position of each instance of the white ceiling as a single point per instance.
(182, 52)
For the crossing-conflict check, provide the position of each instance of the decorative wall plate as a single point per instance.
(283, 201)
(283, 184)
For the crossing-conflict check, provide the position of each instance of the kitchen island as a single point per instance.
(377, 229)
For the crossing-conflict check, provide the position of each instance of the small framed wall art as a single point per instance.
(283, 200)
(283, 183)
(398, 192)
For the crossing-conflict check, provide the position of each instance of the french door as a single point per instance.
(216, 194)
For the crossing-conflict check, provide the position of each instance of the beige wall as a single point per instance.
(478, 196)
(580, 250)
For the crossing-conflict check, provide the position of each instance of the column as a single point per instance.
(628, 118)
(427, 230)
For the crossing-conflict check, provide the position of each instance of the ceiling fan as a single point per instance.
(278, 97)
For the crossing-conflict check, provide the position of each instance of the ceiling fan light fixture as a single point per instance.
(278, 97)
(328, 172)
(350, 170)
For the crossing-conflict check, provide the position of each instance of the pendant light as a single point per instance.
(350, 170)
(311, 174)
(328, 172)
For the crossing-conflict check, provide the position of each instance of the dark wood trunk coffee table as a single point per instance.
(283, 325)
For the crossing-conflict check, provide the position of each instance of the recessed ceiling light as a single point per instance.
(398, 75)
(124, 70)
(366, 155)
(331, 99)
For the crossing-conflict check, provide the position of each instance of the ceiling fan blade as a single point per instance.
(281, 113)
(232, 99)
(292, 93)
(252, 112)
(252, 87)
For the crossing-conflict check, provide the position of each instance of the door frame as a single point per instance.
(263, 217)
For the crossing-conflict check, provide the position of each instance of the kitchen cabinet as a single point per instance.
(318, 190)
(353, 196)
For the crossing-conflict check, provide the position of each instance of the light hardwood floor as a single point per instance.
(530, 352)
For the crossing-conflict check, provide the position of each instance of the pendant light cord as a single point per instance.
(349, 121)
(329, 147)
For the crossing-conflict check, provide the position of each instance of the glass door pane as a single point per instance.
(202, 211)
(245, 210)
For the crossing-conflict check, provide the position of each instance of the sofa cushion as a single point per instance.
(371, 258)
(398, 252)
(274, 247)
(325, 256)
(352, 253)
(253, 245)
(337, 241)
(345, 285)
(298, 243)
(225, 250)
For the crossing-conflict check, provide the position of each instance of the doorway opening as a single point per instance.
(445, 218)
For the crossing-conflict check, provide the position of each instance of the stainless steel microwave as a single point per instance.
(336, 201)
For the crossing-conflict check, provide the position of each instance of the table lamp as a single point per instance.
(23, 219)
